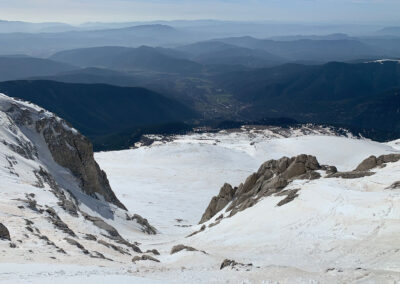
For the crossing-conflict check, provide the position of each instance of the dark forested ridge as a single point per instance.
(98, 109)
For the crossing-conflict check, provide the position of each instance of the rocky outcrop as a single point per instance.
(373, 162)
(274, 175)
(73, 151)
(145, 225)
(4, 233)
(271, 178)
(394, 185)
(153, 251)
(111, 231)
(144, 257)
(68, 147)
(365, 167)
(179, 248)
(233, 264)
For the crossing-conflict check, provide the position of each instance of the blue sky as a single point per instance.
(76, 11)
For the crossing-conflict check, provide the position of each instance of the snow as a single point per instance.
(381, 61)
(191, 169)
(65, 274)
(337, 230)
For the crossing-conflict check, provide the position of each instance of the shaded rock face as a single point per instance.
(231, 263)
(181, 247)
(274, 175)
(69, 149)
(4, 233)
(373, 162)
(144, 257)
(363, 169)
(271, 178)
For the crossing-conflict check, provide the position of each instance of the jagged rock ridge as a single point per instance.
(275, 175)
(68, 148)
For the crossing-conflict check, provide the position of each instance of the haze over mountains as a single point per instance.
(304, 73)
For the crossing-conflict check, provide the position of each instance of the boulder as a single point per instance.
(4, 233)
(368, 164)
(144, 257)
(179, 248)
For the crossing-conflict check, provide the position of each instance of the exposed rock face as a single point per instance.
(73, 151)
(179, 248)
(363, 169)
(373, 162)
(351, 175)
(68, 147)
(272, 177)
(4, 233)
(395, 185)
(220, 201)
(231, 263)
(144, 257)
(146, 227)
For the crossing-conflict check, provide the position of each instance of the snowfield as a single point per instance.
(336, 231)
(190, 170)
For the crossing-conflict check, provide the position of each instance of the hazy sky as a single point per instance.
(75, 11)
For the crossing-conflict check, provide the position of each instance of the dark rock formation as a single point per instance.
(221, 200)
(351, 175)
(58, 223)
(90, 237)
(98, 222)
(145, 225)
(73, 151)
(179, 248)
(290, 196)
(112, 232)
(233, 264)
(68, 147)
(144, 257)
(77, 244)
(363, 169)
(196, 232)
(4, 233)
(114, 247)
(394, 185)
(271, 178)
(153, 251)
(274, 175)
(373, 162)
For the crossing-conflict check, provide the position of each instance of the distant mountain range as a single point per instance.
(44, 44)
(318, 50)
(220, 53)
(129, 59)
(26, 27)
(335, 93)
(16, 67)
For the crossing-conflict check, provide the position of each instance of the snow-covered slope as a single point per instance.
(335, 230)
(190, 169)
(57, 214)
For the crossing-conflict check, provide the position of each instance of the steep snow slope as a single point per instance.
(47, 209)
